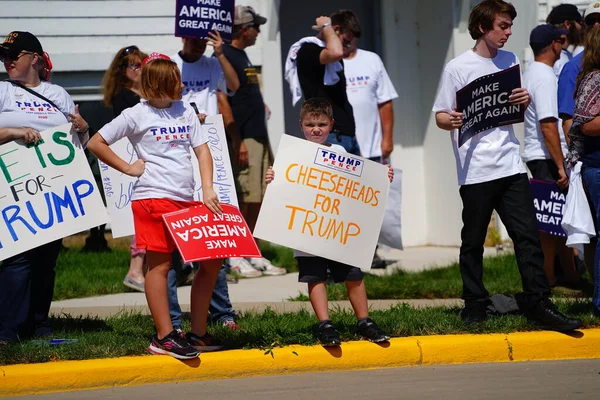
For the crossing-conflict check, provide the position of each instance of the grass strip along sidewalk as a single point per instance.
(129, 334)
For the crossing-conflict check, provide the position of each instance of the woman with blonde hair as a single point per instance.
(120, 86)
(584, 137)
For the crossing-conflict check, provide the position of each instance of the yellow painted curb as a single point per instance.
(63, 376)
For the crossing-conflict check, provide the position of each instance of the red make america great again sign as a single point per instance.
(201, 235)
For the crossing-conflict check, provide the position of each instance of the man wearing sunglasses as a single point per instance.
(568, 77)
(244, 114)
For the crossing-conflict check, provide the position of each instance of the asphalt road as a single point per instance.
(578, 379)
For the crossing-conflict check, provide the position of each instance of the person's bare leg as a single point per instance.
(357, 294)
(318, 299)
(549, 250)
(156, 291)
(136, 268)
(252, 214)
(202, 290)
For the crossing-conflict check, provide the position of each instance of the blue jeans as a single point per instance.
(347, 142)
(220, 307)
(26, 290)
(591, 180)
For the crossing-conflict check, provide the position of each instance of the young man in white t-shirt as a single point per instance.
(203, 77)
(545, 144)
(370, 92)
(492, 176)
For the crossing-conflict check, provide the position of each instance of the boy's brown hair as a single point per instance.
(485, 13)
(316, 107)
(160, 79)
(347, 21)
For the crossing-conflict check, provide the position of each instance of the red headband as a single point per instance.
(155, 56)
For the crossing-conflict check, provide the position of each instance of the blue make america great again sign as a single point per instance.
(484, 103)
(195, 18)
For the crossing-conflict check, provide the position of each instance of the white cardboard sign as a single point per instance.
(324, 202)
(118, 187)
(47, 192)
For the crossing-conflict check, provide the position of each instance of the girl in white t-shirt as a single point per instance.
(162, 130)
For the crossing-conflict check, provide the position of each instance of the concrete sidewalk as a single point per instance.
(270, 291)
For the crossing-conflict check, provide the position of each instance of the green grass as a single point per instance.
(128, 334)
(90, 274)
(81, 274)
(501, 275)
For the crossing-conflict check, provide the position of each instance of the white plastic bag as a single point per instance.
(577, 218)
(391, 229)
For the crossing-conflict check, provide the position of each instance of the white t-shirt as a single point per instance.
(162, 138)
(202, 79)
(367, 86)
(298, 253)
(542, 85)
(493, 153)
(21, 109)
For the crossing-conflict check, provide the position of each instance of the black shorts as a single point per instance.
(543, 170)
(314, 270)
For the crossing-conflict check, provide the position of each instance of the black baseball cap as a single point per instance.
(564, 12)
(543, 35)
(18, 41)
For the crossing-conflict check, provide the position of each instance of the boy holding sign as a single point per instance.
(316, 120)
(492, 175)
(161, 131)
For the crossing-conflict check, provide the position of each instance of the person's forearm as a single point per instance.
(591, 128)
(6, 135)
(233, 82)
(442, 120)
(98, 146)
(552, 141)
(566, 125)
(332, 42)
(386, 114)
(205, 162)
(228, 120)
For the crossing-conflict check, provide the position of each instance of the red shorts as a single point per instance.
(150, 230)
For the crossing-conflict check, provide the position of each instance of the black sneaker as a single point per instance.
(205, 343)
(327, 334)
(369, 330)
(545, 314)
(475, 312)
(175, 345)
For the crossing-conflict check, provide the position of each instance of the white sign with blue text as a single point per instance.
(324, 202)
(47, 192)
(118, 187)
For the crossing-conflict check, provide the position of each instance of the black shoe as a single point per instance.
(369, 330)
(475, 312)
(378, 263)
(175, 345)
(545, 314)
(327, 334)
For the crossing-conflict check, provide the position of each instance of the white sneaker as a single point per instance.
(243, 268)
(265, 266)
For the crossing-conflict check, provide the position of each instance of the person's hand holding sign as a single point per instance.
(456, 119)
(29, 135)
(563, 180)
(519, 96)
(216, 42)
(211, 200)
